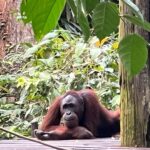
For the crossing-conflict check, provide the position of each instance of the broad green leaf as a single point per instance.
(137, 21)
(73, 6)
(79, 49)
(116, 100)
(23, 95)
(83, 21)
(89, 5)
(25, 9)
(105, 19)
(133, 53)
(50, 35)
(71, 77)
(43, 15)
(44, 75)
(133, 8)
(95, 52)
(48, 62)
(35, 48)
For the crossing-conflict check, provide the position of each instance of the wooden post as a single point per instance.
(135, 92)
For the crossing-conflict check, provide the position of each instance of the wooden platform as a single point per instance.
(94, 144)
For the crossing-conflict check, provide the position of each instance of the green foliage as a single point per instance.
(140, 22)
(10, 68)
(100, 18)
(131, 55)
(19, 117)
(62, 61)
(108, 21)
(59, 62)
(44, 15)
(133, 8)
(89, 5)
(72, 4)
(82, 20)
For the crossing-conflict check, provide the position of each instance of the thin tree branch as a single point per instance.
(31, 139)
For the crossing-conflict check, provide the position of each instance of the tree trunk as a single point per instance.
(135, 92)
(12, 32)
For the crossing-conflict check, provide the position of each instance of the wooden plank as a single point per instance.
(94, 144)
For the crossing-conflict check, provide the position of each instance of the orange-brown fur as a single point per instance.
(97, 119)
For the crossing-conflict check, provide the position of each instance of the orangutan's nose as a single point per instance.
(68, 113)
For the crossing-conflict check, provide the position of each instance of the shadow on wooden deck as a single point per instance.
(94, 144)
